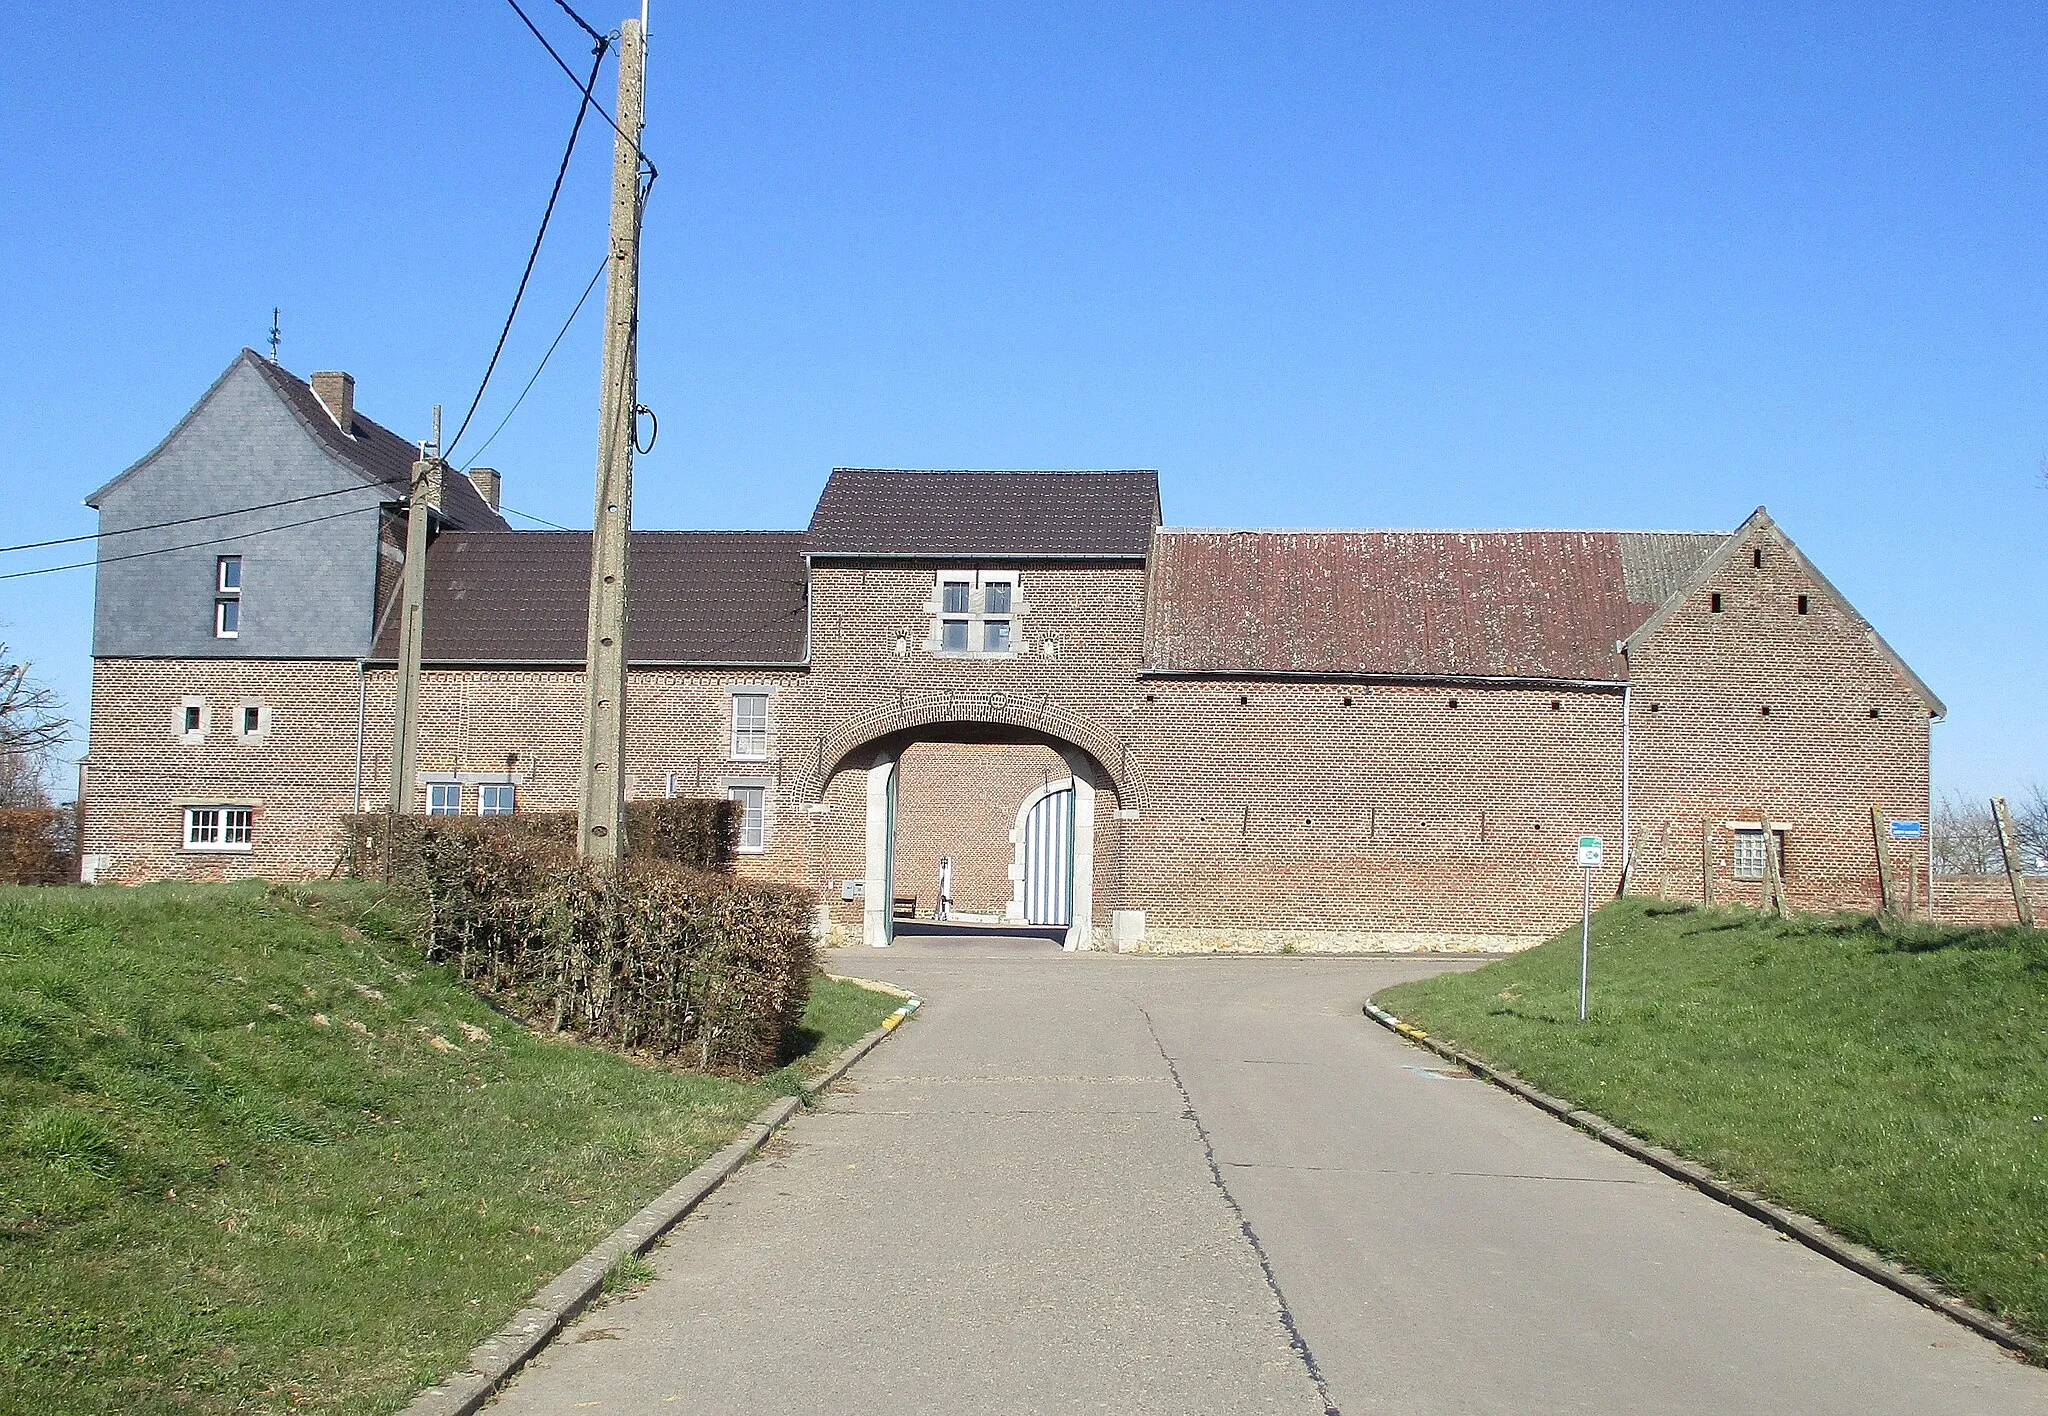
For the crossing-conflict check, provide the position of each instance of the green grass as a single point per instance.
(255, 1156)
(1892, 1084)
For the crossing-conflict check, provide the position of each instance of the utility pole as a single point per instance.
(412, 624)
(601, 820)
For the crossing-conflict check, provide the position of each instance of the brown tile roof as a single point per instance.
(875, 512)
(1480, 604)
(376, 452)
(695, 597)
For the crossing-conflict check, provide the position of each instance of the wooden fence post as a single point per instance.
(1706, 865)
(1884, 862)
(2009, 848)
(1774, 873)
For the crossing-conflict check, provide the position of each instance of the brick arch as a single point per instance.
(910, 712)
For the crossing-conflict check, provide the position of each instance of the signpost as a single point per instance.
(1592, 851)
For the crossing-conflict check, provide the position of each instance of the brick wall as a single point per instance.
(1844, 732)
(1284, 810)
(961, 800)
(1986, 899)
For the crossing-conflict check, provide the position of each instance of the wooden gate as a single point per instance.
(1049, 859)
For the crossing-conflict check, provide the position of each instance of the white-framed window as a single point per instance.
(227, 619)
(192, 719)
(497, 799)
(753, 802)
(1749, 853)
(749, 724)
(975, 612)
(217, 828)
(444, 799)
(227, 574)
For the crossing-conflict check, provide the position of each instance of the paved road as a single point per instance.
(1101, 1183)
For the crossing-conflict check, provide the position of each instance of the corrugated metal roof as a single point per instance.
(881, 512)
(1480, 604)
(694, 597)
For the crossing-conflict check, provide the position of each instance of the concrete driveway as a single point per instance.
(1102, 1183)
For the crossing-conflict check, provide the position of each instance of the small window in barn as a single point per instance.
(497, 799)
(1654, 707)
(227, 574)
(217, 828)
(1558, 707)
(444, 799)
(1714, 602)
(749, 726)
(1749, 853)
(977, 612)
(1803, 603)
(1756, 558)
(1347, 701)
(192, 720)
(953, 596)
(252, 719)
(995, 635)
(1876, 713)
(1243, 699)
(1151, 698)
(753, 818)
(1454, 702)
(953, 636)
(995, 597)
(227, 619)
(1767, 710)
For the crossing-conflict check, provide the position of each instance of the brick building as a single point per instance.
(1128, 733)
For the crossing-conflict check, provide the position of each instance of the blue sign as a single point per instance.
(1908, 830)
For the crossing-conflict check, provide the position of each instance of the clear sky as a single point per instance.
(1479, 265)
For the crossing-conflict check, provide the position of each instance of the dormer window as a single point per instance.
(228, 574)
(975, 613)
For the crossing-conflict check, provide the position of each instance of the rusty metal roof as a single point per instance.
(867, 511)
(1427, 604)
(694, 597)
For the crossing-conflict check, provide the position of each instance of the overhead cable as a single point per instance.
(564, 330)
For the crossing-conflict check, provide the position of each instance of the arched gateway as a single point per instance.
(1051, 865)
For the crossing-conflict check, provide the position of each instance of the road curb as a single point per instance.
(533, 1327)
(1810, 1232)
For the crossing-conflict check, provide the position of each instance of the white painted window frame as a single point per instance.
(434, 787)
(764, 749)
(219, 828)
(483, 791)
(221, 629)
(976, 617)
(732, 787)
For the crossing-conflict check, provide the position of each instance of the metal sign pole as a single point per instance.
(1585, 938)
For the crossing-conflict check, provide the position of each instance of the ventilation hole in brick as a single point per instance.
(1556, 706)
(1653, 707)
(1875, 713)
(1756, 558)
(1767, 710)
(1243, 698)
(1454, 702)
(1802, 604)
(1714, 602)
(1347, 702)
(1151, 698)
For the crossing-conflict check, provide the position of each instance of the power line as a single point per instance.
(562, 64)
(533, 255)
(541, 519)
(190, 545)
(181, 521)
(559, 334)
(581, 23)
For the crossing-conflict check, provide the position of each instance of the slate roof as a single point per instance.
(693, 597)
(926, 515)
(373, 450)
(1427, 604)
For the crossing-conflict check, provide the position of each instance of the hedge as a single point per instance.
(652, 957)
(38, 846)
(699, 832)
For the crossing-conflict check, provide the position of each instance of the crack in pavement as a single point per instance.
(1244, 1223)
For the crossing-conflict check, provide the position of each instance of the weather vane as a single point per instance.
(275, 336)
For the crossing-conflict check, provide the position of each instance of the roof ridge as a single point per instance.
(1426, 531)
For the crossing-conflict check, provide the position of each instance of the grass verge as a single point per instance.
(1892, 1084)
(255, 1156)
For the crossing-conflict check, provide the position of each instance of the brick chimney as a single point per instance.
(487, 483)
(338, 392)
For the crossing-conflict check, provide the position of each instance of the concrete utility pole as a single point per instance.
(601, 819)
(2008, 847)
(412, 624)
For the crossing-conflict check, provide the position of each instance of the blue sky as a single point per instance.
(1348, 265)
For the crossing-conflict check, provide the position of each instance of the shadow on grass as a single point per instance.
(797, 1044)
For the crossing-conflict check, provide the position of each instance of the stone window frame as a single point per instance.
(976, 619)
(192, 737)
(252, 736)
(734, 692)
(225, 834)
(730, 786)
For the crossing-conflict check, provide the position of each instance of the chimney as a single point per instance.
(487, 482)
(338, 391)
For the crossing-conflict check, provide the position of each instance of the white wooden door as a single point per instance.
(1049, 859)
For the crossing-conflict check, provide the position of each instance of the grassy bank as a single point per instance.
(255, 1156)
(1892, 1085)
